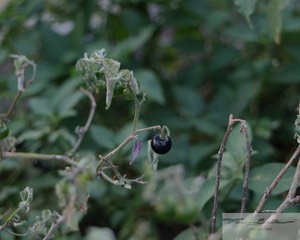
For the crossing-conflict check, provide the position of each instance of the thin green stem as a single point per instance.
(9, 218)
(84, 129)
(12, 105)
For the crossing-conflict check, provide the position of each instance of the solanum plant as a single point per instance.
(101, 73)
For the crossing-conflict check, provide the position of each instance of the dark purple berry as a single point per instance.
(161, 145)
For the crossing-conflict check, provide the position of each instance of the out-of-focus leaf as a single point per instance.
(242, 33)
(7, 191)
(246, 7)
(41, 106)
(103, 136)
(207, 190)
(95, 232)
(262, 176)
(288, 74)
(275, 9)
(189, 101)
(149, 81)
(130, 45)
(199, 152)
(65, 109)
(189, 234)
(64, 91)
(33, 134)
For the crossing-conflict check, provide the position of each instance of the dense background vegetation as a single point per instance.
(198, 60)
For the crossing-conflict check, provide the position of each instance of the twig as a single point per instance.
(54, 227)
(39, 156)
(276, 180)
(290, 199)
(105, 159)
(22, 63)
(12, 105)
(6, 222)
(218, 175)
(231, 123)
(138, 105)
(82, 130)
(247, 166)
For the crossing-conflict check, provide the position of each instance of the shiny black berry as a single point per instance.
(161, 145)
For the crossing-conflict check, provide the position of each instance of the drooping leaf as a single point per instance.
(110, 69)
(137, 148)
(26, 197)
(130, 80)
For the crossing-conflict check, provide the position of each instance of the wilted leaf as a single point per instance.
(26, 197)
(137, 148)
(110, 69)
(130, 80)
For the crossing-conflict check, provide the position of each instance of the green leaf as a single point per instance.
(236, 145)
(189, 101)
(6, 192)
(288, 74)
(41, 106)
(189, 234)
(124, 48)
(33, 134)
(65, 109)
(246, 7)
(185, 235)
(150, 82)
(275, 8)
(64, 91)
(103, 136)
(95, 233)
(207, 190)
(261, 177)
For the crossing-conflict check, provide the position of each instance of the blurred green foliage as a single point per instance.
(198, 60)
